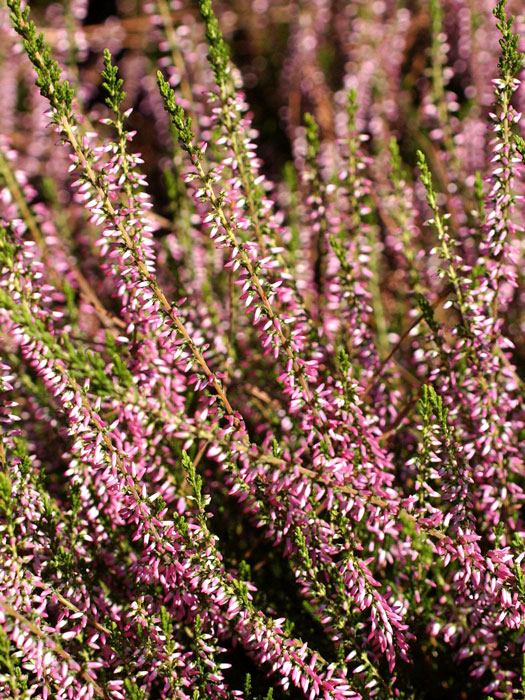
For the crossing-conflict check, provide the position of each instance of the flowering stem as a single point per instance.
(60, 651)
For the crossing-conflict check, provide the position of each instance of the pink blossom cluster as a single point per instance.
(262, 430)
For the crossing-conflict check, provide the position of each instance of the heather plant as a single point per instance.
(262, 419)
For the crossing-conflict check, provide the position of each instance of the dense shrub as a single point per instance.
(262, 388)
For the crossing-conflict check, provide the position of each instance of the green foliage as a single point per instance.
(426, 179)
(178, 117)
(119, 360)
(520, 146)
(302, 549)
(219, 54)
(195, 481)
(112, 83)
(351, 109)
(396, 162)
(428, 313)
(312, 138)
(511, 60)
(11, 664)
(133, 691)
(5, 496)
(49, 80)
